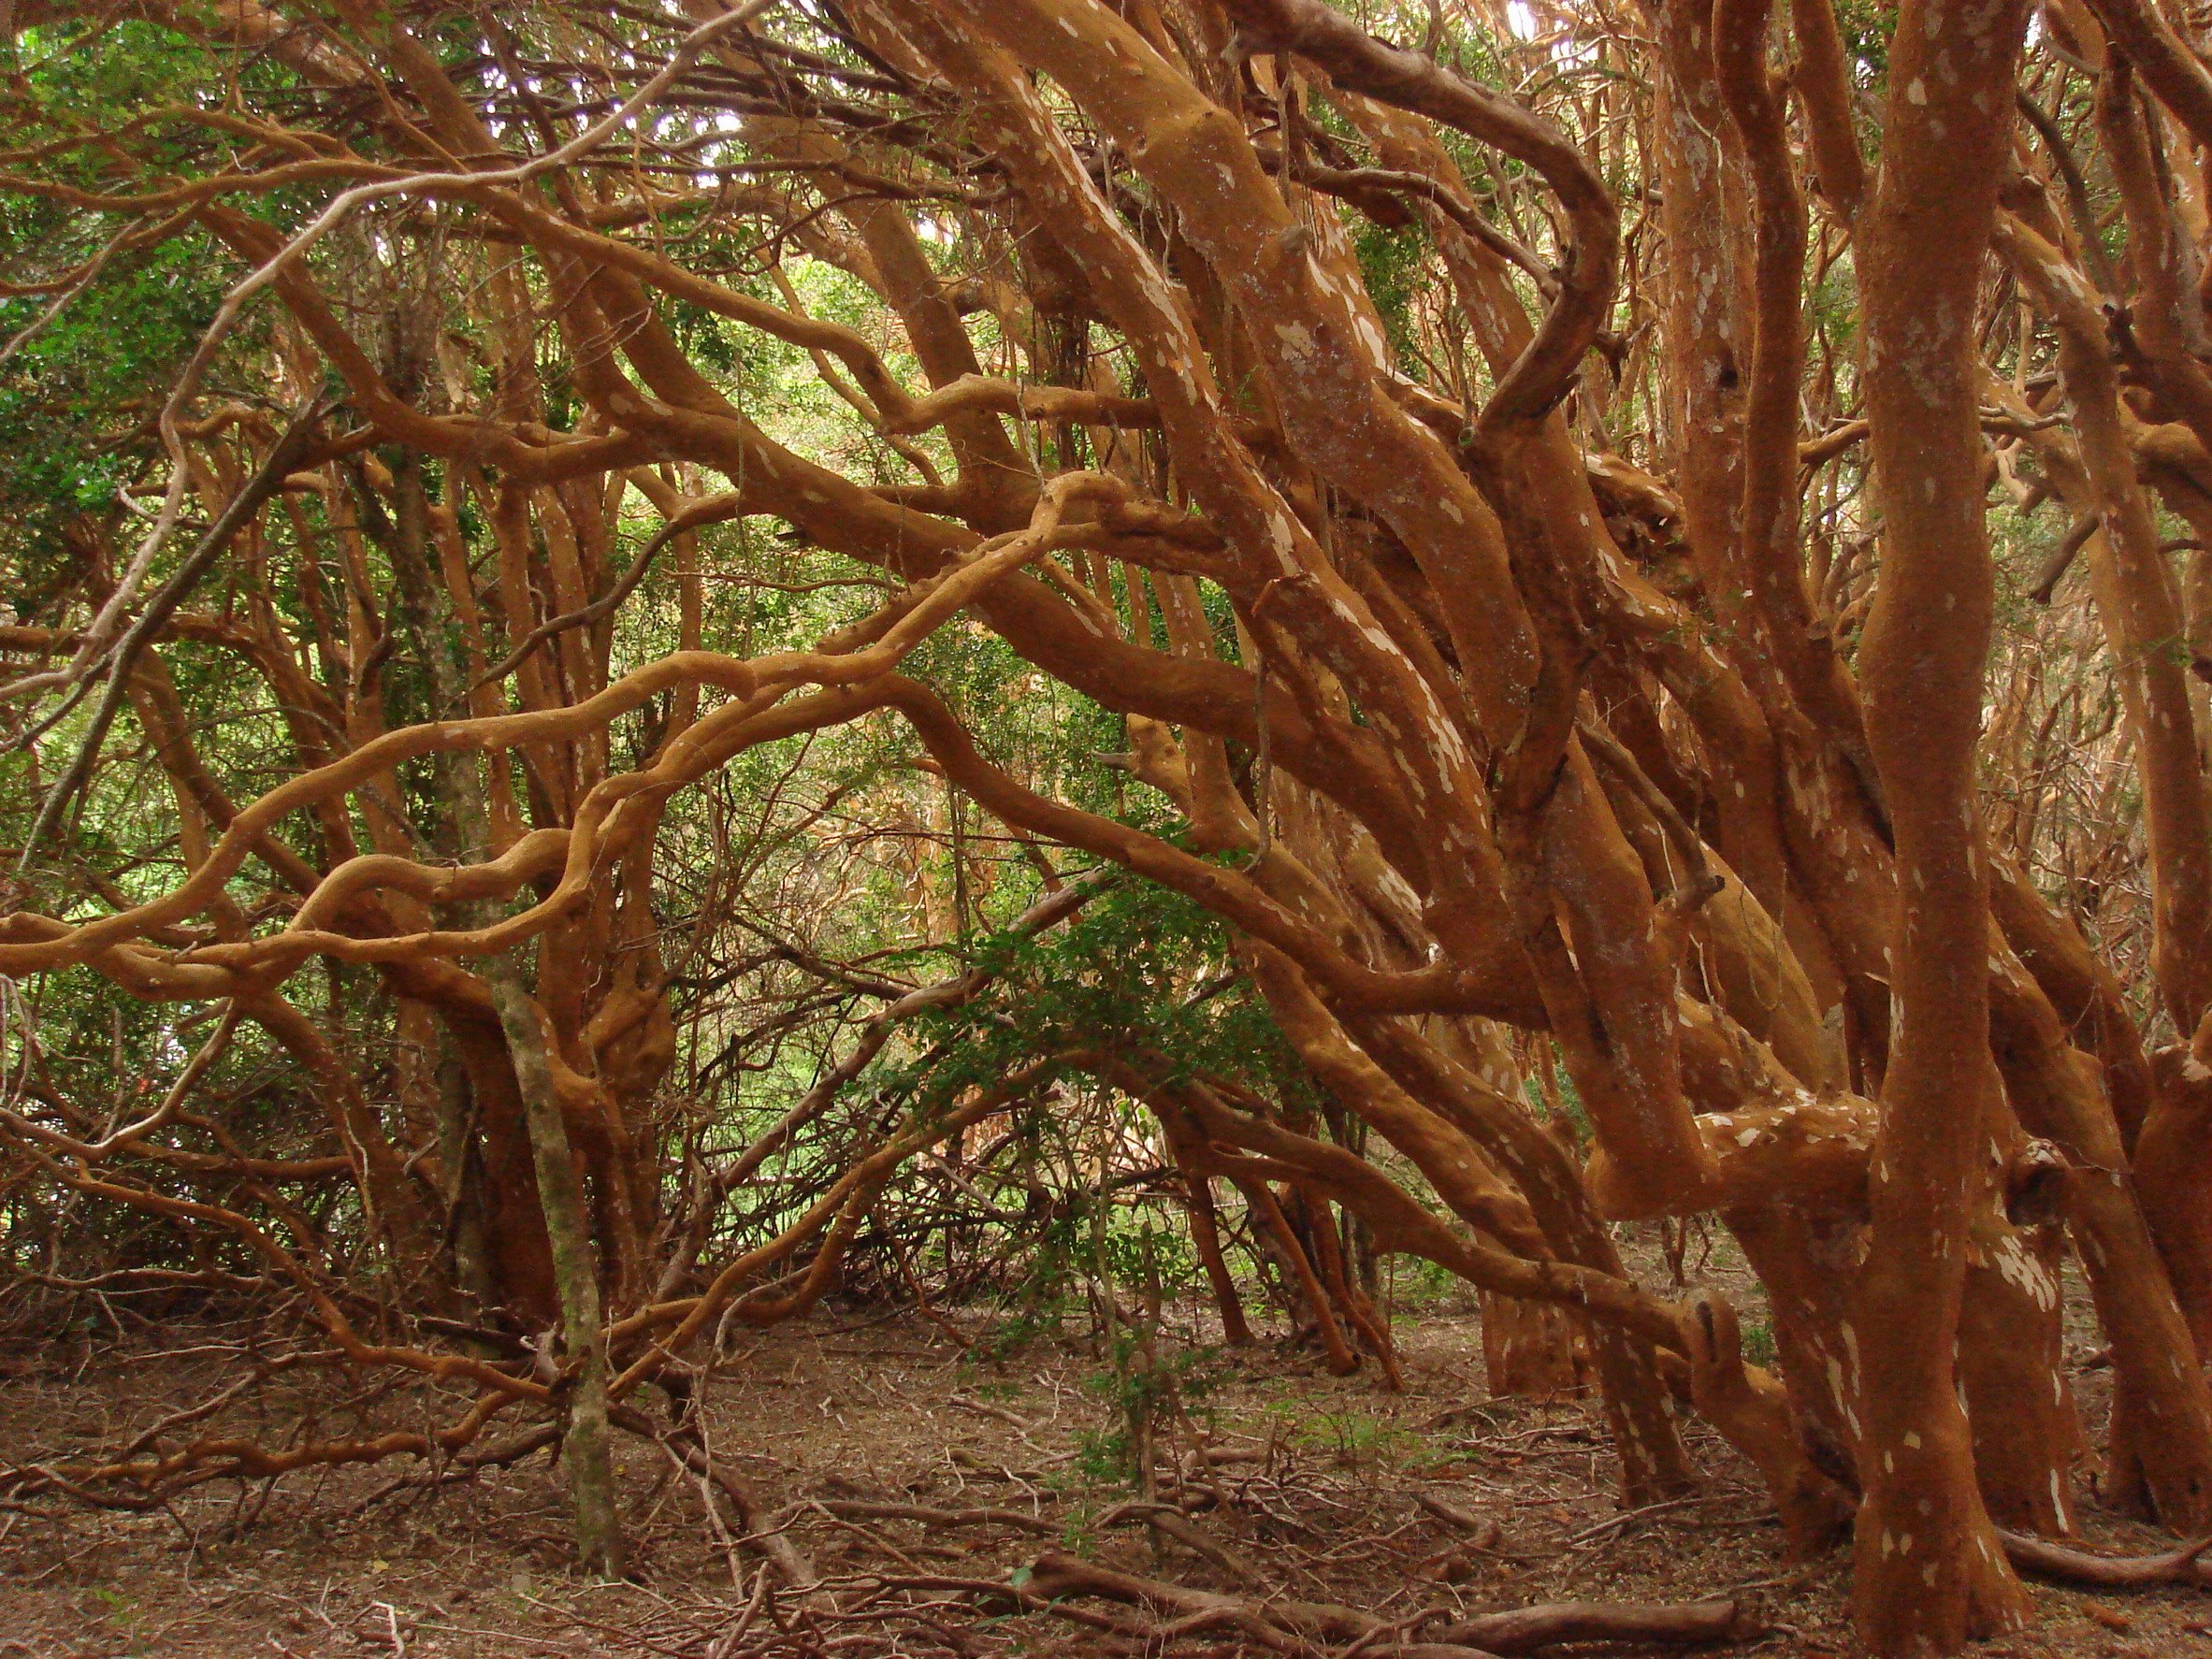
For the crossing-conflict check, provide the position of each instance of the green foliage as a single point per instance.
(1127, 966)
(1144, 1383)
(1393, 264)
(1758, 1341)
(1144, 1387)
(1418, 1282)
(1832, 306)
(1037, 1314)
(1105, 1456)
(77, 387)
(1355, 1439)
(77, 397)
(1866, 26)
(1569, 1099)
(1134, 1250)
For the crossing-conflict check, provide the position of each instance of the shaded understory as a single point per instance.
(1317, 1488)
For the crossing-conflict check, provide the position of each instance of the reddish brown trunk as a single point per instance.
(1533, 1349)
(1205, 1239)
(1928, 1570)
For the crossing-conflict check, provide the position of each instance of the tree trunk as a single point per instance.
(1205, 1239)
(1928, 1570)
(585, 1440)
(1532, 1349)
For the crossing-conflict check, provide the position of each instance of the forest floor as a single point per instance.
(1319, 1488)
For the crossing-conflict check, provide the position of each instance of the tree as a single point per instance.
(1513, 572)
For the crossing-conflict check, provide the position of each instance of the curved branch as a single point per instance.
(1589, 262)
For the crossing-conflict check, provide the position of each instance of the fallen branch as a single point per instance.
(1170, 1522)
(769, 1539)
(1522, 1630)
(1279, 1625)
(2109, 1572)
(1282, 1626)
(858, 1509)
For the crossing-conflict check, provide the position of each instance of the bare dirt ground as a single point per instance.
(1315, 1491)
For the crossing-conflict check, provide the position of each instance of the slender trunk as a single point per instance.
(585, 1440)
(1205, 1238)
(1299, 1277)
(1357, 1311)
(465, 1236)
(566, 1212)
